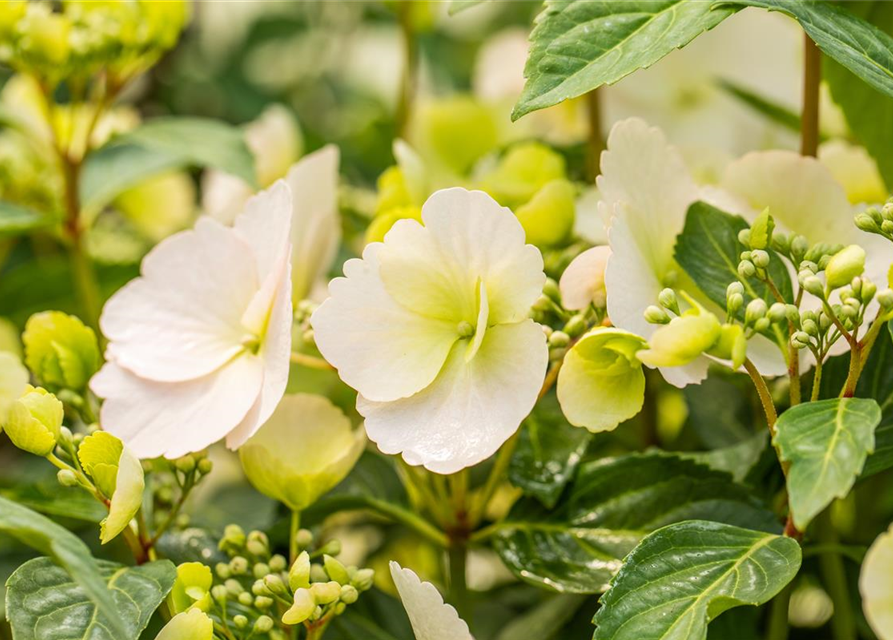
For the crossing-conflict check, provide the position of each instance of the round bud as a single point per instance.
(263, 602)
(260, 570)
(339, 608)
(778, 312)
(887, 211)
(222, 570)
(186, 464)
(325, 592)
(869, 289)
(656, 315)
(800, 340)
(240, 621)
(746, 269)
(667, 299)
(824, 321)
(735, 288)
(866, 223)
(551, 290)
(576, 326)
(304, 538)
(318, 574)
(259, 588)
(760, 258)
(810, 327)
(557, 339)
(887, 227)
(275, 584)
(848, 311)
(885, 298)
(734, 302)
(67, 478)
(245, 599)
(66, 439)
(793, 314)
(761, 325)
(278, 563)
(813, 284)
(219, 592)
(257, 548)
(263, 624)
(205, 466)
(238, 566)
(744, 237)
(363, 579)
(543, 304)
(233, 586)
(755, 310)
(799, 247)
(349, 594)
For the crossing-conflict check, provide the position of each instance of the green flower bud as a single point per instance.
(205, 466)
(278, 563)
(848, 311)
(238, 566)
(682, 340)
(363, 579)
(260, 570)
(548, 217)
(304, 538)
(222, 570)
(824, 321)
(349, 594)
(192, 588)
(274, 584)
(734, 288)
(303, 607)
(886, 211)
(667, 299)
(762, 325)
(813, 284)
(869, 289)
(33, 421)
(810, 327)
(67, 478)
(60, 351)
(325, 592)
(559, 339)
(240, 621)
(522, 172)
(263, 603)
(734, 302)
(781, 242)
(885, 299)
(245, 599)
(746, 269)
(576, 326)
(760, 258)
(219, 592)
(793, 314)
(760, 236)
(299, 574)
(259, 588)
(263, 624)
(318, 574)
(845, 265)
(552, 291)
(332, 547)
(257, 549)
(799, 247)
(800, 340)
(744, 237)
(656, 315)
(887, 227)
(234, 587)
(186, 464)
(755, 310)
(778, 312)
(335, 570)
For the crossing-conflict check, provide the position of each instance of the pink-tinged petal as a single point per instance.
(182, 318)
(172, 419)
(471, 409)
(379, 347)
(316, 226)
(276, 355)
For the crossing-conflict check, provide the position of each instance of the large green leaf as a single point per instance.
(681, 577)
(737, 459)
(708, 250)
(66, 550)
(869, 116)
(826, 443)
(549, 451)
(854, 43)
(53, 500)
(160, 145)
(15, 219)
(580, 45)
(611, 505)
(42, 600)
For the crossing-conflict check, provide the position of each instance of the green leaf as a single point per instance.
(737, 459)
(549, 451)
(43, 599)
(15, 219)
(458, 6)
(68, 551)
(719, 412)
(854, 43)
(708, 250)
(542, 620)
(611, 505)
(869, 116)
(51, 499)
(160, 145)
(826, 443)
(374, 478)
(681, 577)
(580, 45)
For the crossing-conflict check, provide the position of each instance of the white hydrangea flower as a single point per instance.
(583, 281)
(200, 343)
(431, 618)
(431, 328)
(876, 586)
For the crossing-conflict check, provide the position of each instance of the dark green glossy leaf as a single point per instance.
(719, 412)
(15, 219)
(737, 459)
(44, 602)
(549, 451)
(826, 443)
(708, 250)
(580, 45)
(66, 550)
(854, 43)
(611, 505)
(373, 478)
(681, 577)
(54, 500)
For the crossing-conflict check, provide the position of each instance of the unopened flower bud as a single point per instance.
(325, 592)
(299, 574)
(34, 420)
(278, 563)
(746, 269)
(245, 599)
(219, 592)
(734, 303)
(238, 566)
(887, 227)
(735, 288)
(866, 223)
(67, 478)
(761, 325)
(800, 340)
(240, 621)
(755, 310)
(318, 574)
(205, 466)
(813, 284)
(656, 315)
(744, 237)
(667, 299)
(551, 290)
(259, 588)
(335, 570)
(263, 624)
(349, 594)
(869, 289)
(186, 464)
(760, 258)
(799, 247)
(778, 312)
(576, 326)
(845, 265)
(222, 570)
(363, 579)
(848, 311)
(260, 570)
(304, 538)
(274, 584)
(234, 587)
(559, 339)
(810, 327)
(257, 548)
(263, 603)
(885, 298)
(793, 314)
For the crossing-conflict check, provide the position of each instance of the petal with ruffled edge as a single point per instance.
(380, 348)
(431, 618)
(583, 282)
(467, 237)
(466, 414)
(127, 498)
(876, 587)
(648, 176)
(316, 227)
(172, 419)
(182, 318)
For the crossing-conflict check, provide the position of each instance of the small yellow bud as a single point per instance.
(325, 592)
(34, 420)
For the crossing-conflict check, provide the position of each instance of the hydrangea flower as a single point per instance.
(583, 281)
(431, 328)
(200, 343)
(876, 587)
(431, 618)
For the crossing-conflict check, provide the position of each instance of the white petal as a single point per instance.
(223, 195)
(276, 356)
(430, 617)
(414, 172)
(649, 178)
(316, 226)
(800, 192)
(182, 318)
(589, 223)
(694, 372)
(876, 585)
(487, 239)
(379, 347)
(172, 419)
(265, 225)
(584, 278)
(466, 414)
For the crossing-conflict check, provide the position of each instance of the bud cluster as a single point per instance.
(548, 312)
(303, 310)
(255, 584)
(174, 478)
(877, 220)
(668, 302)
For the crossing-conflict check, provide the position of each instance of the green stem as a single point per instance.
(843, 622)
(458, 595)
(84, 277)
(816, 380)
(778, 614)
(410, 71)
(765, 395)
(175, 510)
(497, 475)
(596, 141)
(812, 77)
(294, 527)
(409, 519)
(855, 370)
(316, 632)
